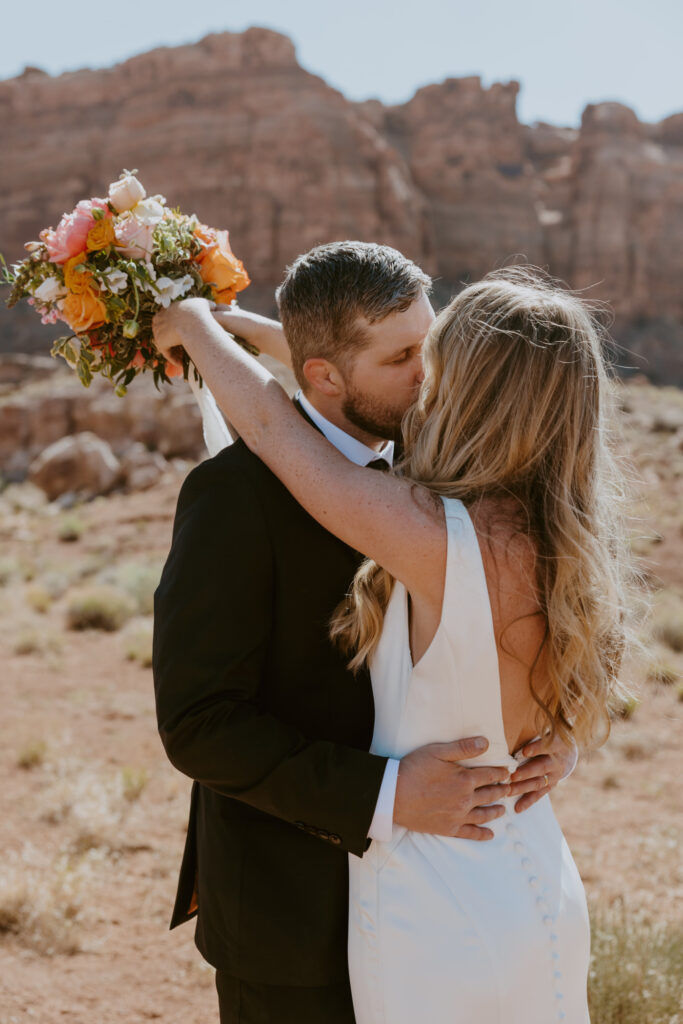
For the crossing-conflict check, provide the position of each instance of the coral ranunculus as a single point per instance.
(84, 311)
(225, 272)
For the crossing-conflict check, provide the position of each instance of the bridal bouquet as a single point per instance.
(109, 266)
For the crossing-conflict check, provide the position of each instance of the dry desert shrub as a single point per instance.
(32, 755)
(32, 641)
(42, 902)
(9, 568)
(668, 620)
(99, 607)
(93, 806)
(27, 642)
(138, 579)
(71, 529)
(38, 597)
(636, 974)
(138, 641)
(662, 673)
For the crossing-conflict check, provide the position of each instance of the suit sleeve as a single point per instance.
(213, 611)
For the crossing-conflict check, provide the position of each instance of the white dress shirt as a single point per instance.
(383, 819)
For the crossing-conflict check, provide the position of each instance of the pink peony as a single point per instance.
(71, 234)
(133, 239)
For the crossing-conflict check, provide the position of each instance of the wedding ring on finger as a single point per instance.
(545, 781)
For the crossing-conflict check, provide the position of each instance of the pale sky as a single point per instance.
(565, 54)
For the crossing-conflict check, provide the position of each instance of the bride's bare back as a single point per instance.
(509, 559)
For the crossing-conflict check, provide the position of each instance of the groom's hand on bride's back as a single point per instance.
(436, 793)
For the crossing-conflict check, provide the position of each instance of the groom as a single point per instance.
(253, 701)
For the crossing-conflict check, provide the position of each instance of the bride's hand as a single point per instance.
(548, 763)
(170, 326)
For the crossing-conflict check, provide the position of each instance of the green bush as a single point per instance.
(99, 607)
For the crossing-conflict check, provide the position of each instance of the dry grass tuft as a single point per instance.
(662, 673)
(636, 974)
(71, 529)
(139, 580)
(42, 903)
(668, 620)
(9, 568)
(134, 781)
(138, 641)
(27, 642)
(32, 755)
(38, 597)
(99, 607)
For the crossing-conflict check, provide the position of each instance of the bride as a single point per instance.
(491, 602)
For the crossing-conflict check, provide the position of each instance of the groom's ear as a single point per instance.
(324, 377)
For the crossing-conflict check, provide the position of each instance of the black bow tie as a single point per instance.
(381, 464)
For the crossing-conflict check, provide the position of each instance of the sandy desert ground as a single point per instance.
(93, 816)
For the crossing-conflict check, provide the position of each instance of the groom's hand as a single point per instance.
(437, 794)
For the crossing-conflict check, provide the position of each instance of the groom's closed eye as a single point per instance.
(402, 357)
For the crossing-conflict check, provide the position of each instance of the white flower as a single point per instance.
(115, 280)
(125, 193)
(149, 211)
(50, 290)
(183, 284)
(166, 289)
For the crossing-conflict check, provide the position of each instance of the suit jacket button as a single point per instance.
(323, 833)
(334, 838)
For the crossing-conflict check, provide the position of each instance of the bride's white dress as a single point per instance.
(445, 930)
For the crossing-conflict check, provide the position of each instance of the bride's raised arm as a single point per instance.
(384, 517)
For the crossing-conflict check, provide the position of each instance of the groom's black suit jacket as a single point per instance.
(255, 705)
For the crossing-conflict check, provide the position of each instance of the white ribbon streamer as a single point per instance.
(217, 435)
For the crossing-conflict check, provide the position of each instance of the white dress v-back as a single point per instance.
(453, 931)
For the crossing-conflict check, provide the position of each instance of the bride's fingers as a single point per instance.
(529, 799)
(537, 767)
(534, 785)
(473, 832)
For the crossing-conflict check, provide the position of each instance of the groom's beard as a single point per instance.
(381, 420)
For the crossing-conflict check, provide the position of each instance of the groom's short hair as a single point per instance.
(329, 291)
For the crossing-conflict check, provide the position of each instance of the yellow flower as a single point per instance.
(76, 278)
(101, 235)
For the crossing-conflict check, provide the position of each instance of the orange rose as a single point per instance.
(224, 272)
(101, 235)
(83, 311)
(77, 280)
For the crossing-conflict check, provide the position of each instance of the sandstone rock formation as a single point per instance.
(137, 428)
(235, 130)
(82, 464)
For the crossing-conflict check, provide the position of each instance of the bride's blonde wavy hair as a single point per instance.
(514, 403)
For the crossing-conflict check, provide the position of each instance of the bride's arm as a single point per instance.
(260, 331)
(386, 518)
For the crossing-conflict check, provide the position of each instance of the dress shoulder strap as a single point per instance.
(467, 624)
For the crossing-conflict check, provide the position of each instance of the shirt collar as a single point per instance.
(353, 449)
